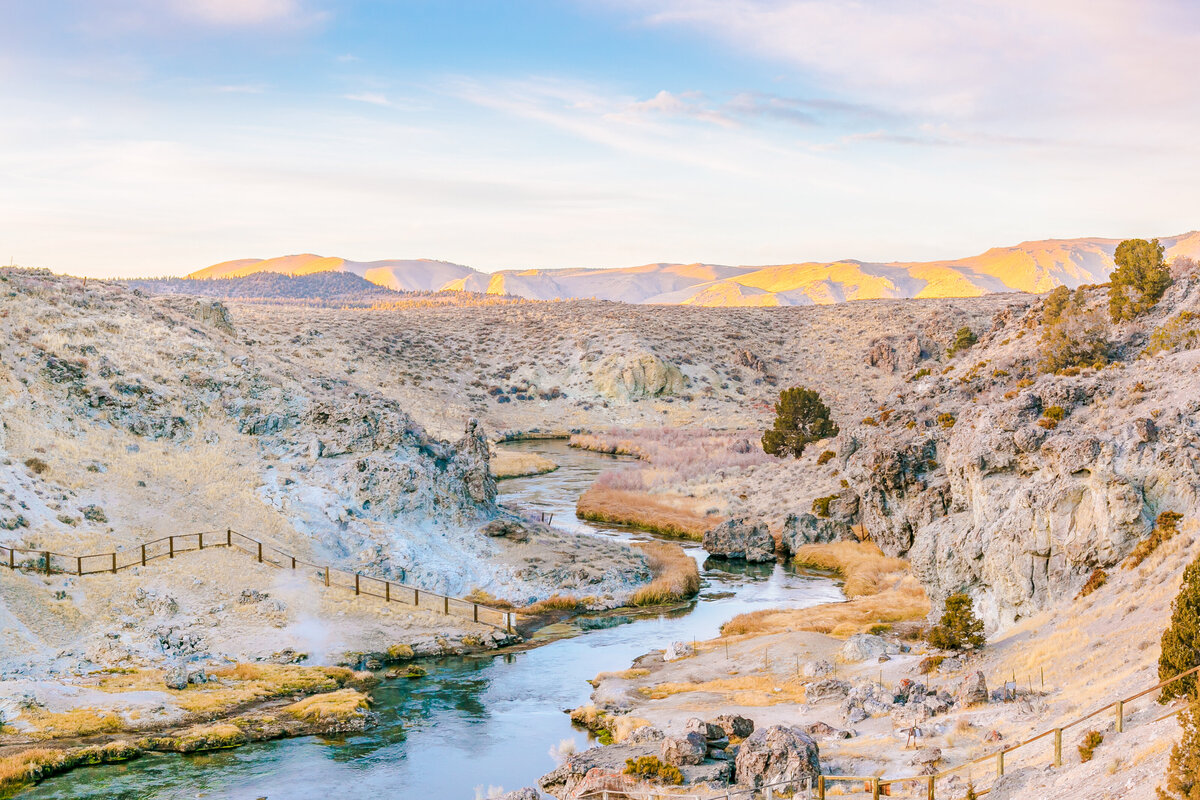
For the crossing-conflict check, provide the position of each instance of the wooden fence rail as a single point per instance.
(49, 562)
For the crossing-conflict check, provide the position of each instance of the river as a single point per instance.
(475, 722)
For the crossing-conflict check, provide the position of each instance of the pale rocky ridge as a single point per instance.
(1035, 266)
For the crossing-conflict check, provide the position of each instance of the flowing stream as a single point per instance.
(475, 722)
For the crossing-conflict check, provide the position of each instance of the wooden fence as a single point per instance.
(49, 562)
(877, 786)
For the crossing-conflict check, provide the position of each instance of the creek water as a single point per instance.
(475, 723)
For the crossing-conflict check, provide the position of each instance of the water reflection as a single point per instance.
(474, 722)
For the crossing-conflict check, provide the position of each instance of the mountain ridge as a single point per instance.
(1032, 266)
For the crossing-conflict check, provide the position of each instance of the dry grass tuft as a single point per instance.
(676, 576)
(218, 736)
(882, 590)
(254, 682)
(653, 512)
(31, 766)
(558, 602)
(516, 464)
(744, 690)
(337, 708)
(73, 723)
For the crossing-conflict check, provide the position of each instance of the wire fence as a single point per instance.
(48, 562)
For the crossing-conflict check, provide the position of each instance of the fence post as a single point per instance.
(416, 597)
(47, 557)
(12, 560)
(327, 576)
(171, 546)
(770, 793)
(201, 540)
(475, 615)
(1120, 716)
(79, 565)
(356, 589)
(229, 537)
(293, 562)
(821, 787)
(387, 591)
(875, 789)
(143, 555)
(1058, 747)
(446, 606)
(114, 564)
(260, 552)
(508, 618)
(932, 779)
(1000, 764)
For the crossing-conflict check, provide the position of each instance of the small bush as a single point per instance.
(959, 628)
(964, 338)
(1094, 582)
(921, 373)
(37, 466)
(800, 418)
(1054, 305)
(1166, 525)
(825, 458)
(929, 664)
(946, 420)
(820, 506)
(870, 421)
(653, 769)
(1091, 740)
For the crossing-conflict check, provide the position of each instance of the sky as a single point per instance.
(155, 137)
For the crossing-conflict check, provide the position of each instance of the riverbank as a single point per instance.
(507, 463)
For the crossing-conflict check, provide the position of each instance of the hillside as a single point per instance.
(1035, 266)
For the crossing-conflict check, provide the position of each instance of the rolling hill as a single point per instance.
(1036, 266)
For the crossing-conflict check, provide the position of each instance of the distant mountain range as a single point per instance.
(1028, 267)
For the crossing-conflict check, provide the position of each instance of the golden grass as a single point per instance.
(486, 598)
(622, 674)
(219, 736)
(337, 707)
(744, 690)
(862, 565)
(261, 682)
(517, 464)
(881, 589)
(31, 766)
(608, 728)
(661, 514)
(676, 576)
(558, 602)
(73, 723)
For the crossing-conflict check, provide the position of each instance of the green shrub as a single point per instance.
(1180, 331)
(959, 628)
(1054, 305)
(1183, 771)
(929, 664)
(800, 418)
(946, 420)
(653, 769)
(921, 373)
(825, 458)
(1181, 639)
(820, 506)
(1139, 280)
(964, 338)
(1081, 342)
(1091, 740)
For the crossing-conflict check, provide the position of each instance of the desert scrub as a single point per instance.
(930, 664)
(820, 505)
(825, 458)
(596, 721)
(959, 628)
(218, 736)
(1166, 525)
(1052, 416)
(1091, 740)
(946, 420)
(558, 602)
(676, 576)
(71, 724)
(401, 652)
(30, 766)
(862, 566)
(338, 710)
(1094, 582)
(964, 339)
(651, 768)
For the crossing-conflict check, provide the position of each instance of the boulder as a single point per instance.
(677, 650)
(739, 539)
(926, 760)
(826, 690)
(734, 725)
(708, 730)
(827, 731)
(528, 793)
(687, 749)
(973, 690)
(176, 677)
(601, 761)
(507, 528)
(817, 669)
(866, 647)
(776, 754)
(644, 734)
(215, 314)
(637, 375)
(802, 529)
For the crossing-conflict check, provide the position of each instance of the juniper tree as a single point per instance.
(1181, 639)
(800, 417)
(959, 628)
(1139, 280)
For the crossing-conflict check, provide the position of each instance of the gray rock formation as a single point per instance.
(527, 793)
(739, 539)
(972, 690)
(690, 748)
(776, 754)
(637, 375)
(214, 313)
(866, 647)
(734, 725)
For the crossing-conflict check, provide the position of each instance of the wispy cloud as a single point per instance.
(246, 12)
(371, 98)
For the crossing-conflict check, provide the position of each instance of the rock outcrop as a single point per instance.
(739, 539)
(637, 375)
(776, 754)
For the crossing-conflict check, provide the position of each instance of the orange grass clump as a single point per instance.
(676, 576)
(656, 513)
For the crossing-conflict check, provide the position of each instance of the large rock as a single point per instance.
(739, 539)
(802, 529)
(528, 793)
(775, 754)
(866, 647)
(214, 313)
(734, 725)
(608, 760)
(689, 748)
(972, 690)
(637, 375)
(677, 650)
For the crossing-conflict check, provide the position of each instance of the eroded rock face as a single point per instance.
(637, 375)
(741, 540)
(866, 647)
(802, 529)
(734, 725)
(972, 690)
(214, 313)
(895, 354)
(775, 754)
(690, 748)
